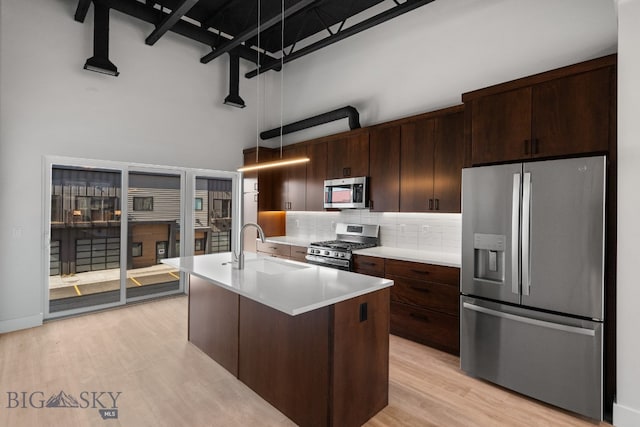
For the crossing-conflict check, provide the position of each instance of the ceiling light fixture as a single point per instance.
(281, 162)
(99, 62)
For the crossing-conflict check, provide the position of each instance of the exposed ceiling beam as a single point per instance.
(211, 19)
(253, 31)
(405, 7)
(186, 29)
(169, 21)
(81, 10)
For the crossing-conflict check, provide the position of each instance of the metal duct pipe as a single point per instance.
(345, 112)
(233, 98)
(99, 62)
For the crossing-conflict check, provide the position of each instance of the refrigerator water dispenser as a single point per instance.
(489, 257)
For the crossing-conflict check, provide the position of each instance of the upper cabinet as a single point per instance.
(431, 158)
(348, 156)
(316, 174)
(384, 169)
(558, 113)
(260, 182)
(293, 180)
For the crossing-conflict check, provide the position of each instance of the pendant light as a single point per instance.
(281, 161)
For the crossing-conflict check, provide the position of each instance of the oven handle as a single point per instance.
(327, 261)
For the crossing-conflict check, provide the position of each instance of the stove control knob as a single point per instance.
(327, 252)
(341, 255)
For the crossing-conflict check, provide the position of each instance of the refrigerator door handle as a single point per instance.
(515, 243)
(530, 321)
(526, 233)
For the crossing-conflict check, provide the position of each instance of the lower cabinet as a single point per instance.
(279, 250)
(282, 250)
(424, 303)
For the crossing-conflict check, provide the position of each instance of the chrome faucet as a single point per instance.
(238, 258)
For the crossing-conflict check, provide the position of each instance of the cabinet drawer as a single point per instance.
(369, 265)
(427, 327)
(298, 253)
(276, 249)
(420, 271)
(434, 296)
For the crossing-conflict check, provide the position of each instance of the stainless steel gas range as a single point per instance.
(338, 253)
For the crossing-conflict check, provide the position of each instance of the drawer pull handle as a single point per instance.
(369, 263)
(420, 271)
(420, 317)
(419, 289)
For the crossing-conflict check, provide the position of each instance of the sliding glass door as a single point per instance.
(111, 224)
(85, 238)
(154, 203)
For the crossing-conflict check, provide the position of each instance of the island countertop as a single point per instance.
(288, 286)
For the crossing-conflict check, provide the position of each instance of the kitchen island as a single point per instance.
(312, 341)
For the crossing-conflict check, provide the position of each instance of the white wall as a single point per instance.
(627, 407)
(165, 108)
(426, 59)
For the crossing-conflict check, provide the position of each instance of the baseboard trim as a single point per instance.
(623, 416)
(11, 325)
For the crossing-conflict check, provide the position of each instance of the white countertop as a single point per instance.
(447, 259)
(303, 288)
(288, 240)
(428, 257)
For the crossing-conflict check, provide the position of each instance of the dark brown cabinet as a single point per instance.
(559, 113)
(316, 174)
(424, 303)
(262, 182)
(348, 156)
(384, 169)
(293, 180)
(369, 265)
(431, 160)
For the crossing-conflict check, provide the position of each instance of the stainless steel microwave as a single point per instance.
(346, 193)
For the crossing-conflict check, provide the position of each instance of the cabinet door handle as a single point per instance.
(430, 204)
(420, 317)
(526, 146)
(420, 271)
(419, 289)
(535, 145)
(255, 197)
(437, 204)
(371, 204)
(346, 172)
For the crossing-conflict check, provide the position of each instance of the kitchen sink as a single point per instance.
(272, 266)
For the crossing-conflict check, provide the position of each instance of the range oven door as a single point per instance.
(341, 264)
(553, 358)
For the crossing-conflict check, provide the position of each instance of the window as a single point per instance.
(199, 244)
(198, 204)
(136, 249)
(143, 203)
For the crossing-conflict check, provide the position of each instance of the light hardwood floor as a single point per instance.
(142, 352)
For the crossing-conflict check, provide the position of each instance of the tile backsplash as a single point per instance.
(423, 231)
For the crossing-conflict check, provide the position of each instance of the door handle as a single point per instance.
(526, 233)
(515, 235)
(430, 204)
(530, 321)
(437, 204)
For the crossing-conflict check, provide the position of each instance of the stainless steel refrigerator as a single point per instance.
(532, 281)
